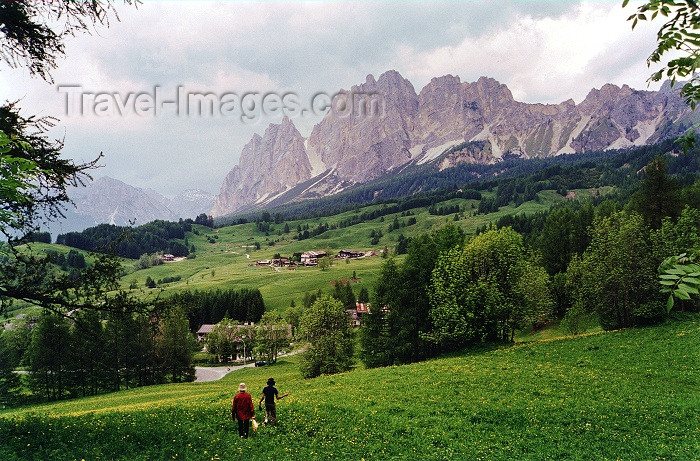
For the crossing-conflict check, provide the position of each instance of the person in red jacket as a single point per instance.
(243, 410)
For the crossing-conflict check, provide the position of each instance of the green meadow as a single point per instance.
(226, 263)
(225, 257)
(229, 262)
(620, 395)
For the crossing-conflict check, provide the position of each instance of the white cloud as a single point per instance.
(546, 59)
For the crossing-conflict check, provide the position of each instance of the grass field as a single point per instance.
(225, 263)
(627, 395)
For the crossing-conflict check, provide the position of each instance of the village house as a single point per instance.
(241, 343)
(284, 329)
(207, 328)
(350, 254)
(310, 258)
(355, 315)
(203, 331)
(281, 262)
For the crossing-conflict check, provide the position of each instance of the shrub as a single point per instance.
(648, 313)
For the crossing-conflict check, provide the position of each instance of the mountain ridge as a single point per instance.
(425, 127)
(106, 200)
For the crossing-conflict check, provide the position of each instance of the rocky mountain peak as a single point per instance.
(396, 89)
(440, 85)
(491, 92)
(447, 123)
(363, 144)
(569, 103)
(268, 166)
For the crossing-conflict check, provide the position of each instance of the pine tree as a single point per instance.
(658, 196)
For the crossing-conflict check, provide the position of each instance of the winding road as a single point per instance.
(207, 374)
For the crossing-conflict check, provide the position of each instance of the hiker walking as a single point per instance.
(269, 394)
(243, 410)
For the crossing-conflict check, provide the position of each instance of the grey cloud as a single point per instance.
(334, 46)
(366, 37)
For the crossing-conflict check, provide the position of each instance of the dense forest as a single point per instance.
(244, 305)
(132, 242)
(597, 259)
(95, 354)
(107, 351)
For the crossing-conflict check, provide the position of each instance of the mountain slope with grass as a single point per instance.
(629, 394)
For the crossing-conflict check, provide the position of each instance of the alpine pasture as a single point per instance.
(629, 394)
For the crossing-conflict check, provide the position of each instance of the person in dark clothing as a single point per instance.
(243, 410)
(269, 394)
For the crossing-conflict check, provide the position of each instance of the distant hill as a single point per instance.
(110, 201)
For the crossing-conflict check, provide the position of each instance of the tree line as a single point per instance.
(210, 307)
(132, 242)
(95, 354)
(92, 352)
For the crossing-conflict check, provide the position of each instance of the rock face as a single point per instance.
(382, 126)
(361, 148)
(269, 165)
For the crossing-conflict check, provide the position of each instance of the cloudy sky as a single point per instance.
(544, 51)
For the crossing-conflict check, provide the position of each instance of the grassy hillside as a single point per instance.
(225, 262)
(224, 255)
(628, 394)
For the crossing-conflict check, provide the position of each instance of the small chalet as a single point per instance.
(310, 258)
(281, 262)
(355, 315)
(203, 331)
(168, 258)
(350, 254)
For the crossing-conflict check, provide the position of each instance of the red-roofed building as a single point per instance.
(355, 315)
